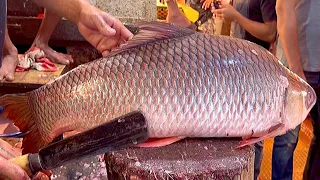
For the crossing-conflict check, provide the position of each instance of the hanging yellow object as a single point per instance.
(188, 11)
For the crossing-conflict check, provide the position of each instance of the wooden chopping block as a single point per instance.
(187, 159)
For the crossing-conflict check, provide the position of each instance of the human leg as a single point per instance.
(175, 16)
(313, 161)
(282, 154)
(42, 38)
(9, 59)
(258, 158)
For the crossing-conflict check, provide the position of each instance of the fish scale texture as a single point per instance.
(197, 85)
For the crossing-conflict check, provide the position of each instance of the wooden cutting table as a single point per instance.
(30, 80)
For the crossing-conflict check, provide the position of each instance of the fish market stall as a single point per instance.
(185, 83)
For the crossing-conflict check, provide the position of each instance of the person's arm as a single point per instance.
(288, 34)
(265, 31)
(99, 28)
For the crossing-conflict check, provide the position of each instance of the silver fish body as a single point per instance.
(189, 85)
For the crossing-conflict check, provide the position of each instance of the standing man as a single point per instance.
(255, 21)
(299, 27)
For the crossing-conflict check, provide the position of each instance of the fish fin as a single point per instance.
(274, 131)
(147, 32)
(32, 142)
(159, 142)
(17, 109)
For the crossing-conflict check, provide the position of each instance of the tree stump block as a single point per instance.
(187, 159)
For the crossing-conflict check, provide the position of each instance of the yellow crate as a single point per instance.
(162, 12)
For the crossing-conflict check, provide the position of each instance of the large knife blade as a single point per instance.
(3, 22)
(121, 132)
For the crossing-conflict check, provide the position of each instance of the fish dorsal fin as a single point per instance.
(147, 32)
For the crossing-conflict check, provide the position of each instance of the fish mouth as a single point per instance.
(310, 98)
(14, 135)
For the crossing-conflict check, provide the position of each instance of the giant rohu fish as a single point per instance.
(186, 83)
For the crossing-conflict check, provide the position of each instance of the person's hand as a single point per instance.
(225, 11)
(9, 170)
(206, 4)
(102, 30)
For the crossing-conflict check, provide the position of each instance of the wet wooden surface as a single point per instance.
(33, 78)
(191, 158)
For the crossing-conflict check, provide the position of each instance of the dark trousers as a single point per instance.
(312, 169)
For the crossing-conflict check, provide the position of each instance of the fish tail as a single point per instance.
(18, 110)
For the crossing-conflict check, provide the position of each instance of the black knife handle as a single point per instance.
(121, 132)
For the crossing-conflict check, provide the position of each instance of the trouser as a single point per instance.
(312, 169)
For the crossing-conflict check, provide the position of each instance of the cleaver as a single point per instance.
(122, 132)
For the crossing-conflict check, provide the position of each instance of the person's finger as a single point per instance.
(204, 4)
(117, 26)
(122, 41)
(105, 53)
(102, 25)
(11, 171)
(107, 44)
(125, 33)
(42, 175)
(47, 172)
(218, 11)
(212, 8)
(207, 5)
(7, 151)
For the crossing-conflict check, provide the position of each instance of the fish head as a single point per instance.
(300, 97)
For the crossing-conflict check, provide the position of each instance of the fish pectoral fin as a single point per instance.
(249, 141)
(273, 131)
(159, 142)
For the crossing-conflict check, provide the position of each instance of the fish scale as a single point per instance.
(186, 83)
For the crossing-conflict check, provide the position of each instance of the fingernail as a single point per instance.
(43, 177)
(105, 53)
